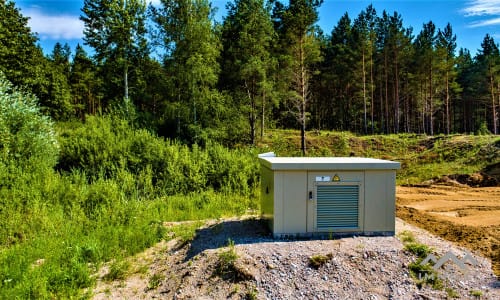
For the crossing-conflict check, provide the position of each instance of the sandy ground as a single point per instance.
(467, 216)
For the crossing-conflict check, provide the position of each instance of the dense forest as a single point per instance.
(266, 65)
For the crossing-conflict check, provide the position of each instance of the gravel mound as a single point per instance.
(351, 268)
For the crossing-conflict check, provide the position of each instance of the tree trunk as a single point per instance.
(372, 101)
(386, 96)
(125, 81)
(447, 103)
(303, 90)
(493, 104)
(263, 117)
(396, 95)
(364, 96)
(431, 104)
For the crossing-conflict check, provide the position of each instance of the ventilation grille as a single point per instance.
(337, 206)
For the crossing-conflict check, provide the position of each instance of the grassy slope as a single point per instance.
(422, 157)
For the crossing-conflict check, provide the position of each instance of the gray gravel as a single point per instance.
(357, 268)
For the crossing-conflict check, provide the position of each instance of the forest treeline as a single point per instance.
(266, 65)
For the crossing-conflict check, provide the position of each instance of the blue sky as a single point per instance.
(58, 20)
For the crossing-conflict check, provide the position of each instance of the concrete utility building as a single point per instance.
(303, 196)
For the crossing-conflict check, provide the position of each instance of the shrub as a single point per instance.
(27, 138)
(418, 249)
(225, 267)
(318, 260)
(109, 147)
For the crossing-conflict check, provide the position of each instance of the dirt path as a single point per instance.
(467, 216)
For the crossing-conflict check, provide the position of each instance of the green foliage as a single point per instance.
(227, 258)
(117, 270)
(407, 237)
(252, 294)
(318, 260)
(117, 32)
(192, 49)
(185, 232)
(476, 293)
(155, 281)
(57, 229)
(247, 37)
(451, 293)
(110, 147)
(20, 59)
(27, 139)
(425, 275)
(483, 129)
(420, 250)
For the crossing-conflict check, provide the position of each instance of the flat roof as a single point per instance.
(328, 163)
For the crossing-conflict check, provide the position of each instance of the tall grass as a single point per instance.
(112, 189)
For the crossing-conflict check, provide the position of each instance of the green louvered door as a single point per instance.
(337, 207)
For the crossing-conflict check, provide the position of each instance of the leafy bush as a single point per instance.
(110, 147)
(27, 138)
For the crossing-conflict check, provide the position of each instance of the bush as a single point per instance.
(109, 147)
(27, 138)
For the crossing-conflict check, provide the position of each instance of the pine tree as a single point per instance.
(424, 56)
(84, 84)
(247, 36)
(339, 61)
(364, 40)
(489, 64)
(302, 46)
(445, 52)
(192, 50)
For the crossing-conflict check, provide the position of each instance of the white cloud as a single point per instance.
(489, 22)
(57, 27)
(484, 12)
(482, 8)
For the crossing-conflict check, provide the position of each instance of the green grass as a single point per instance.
(423, 274)
(227, 258)
(318, 260)
(155, 281)
(476, 294)
(407, 237)
(422, 157)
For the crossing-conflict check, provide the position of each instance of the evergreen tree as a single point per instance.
(247, 36)
(445, 52)
(468, 118)
(339, 61)
(489, 64)
(192, 50)
(302, 48)
(364, 36)
(21, 61)
(84, 84)
(424, 57)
